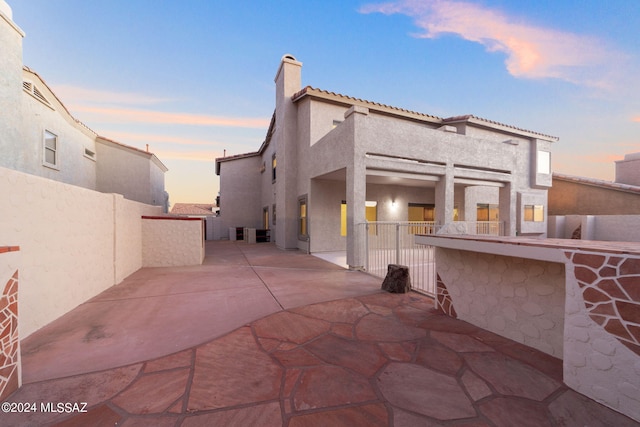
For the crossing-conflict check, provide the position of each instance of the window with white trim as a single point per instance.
(50, 150)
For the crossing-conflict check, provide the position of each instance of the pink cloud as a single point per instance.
(160, 139)
(126, 115)
(77, 94)
(199, 156)
(532, 51)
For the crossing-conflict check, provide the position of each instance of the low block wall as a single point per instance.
(74, 243)
(574, 299)
(611, 228)
(172, 241)
(10, 371)
(520, 299)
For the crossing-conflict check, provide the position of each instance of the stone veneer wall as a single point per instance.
(602, 328)
(10, 373)
(601, 314)
(172, 241)
(521, 299)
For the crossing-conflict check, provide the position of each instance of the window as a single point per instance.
(265, 218)
(487, 212)
(273, 168)
(335, 123)
(273, 209)
(89, 154)
(50, 154)
(544, 162)
(302, 218)
(421, 212)
(371, 215)
(534, 213)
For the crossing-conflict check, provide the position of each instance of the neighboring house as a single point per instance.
(207, 211)
(594, 209)
(39, 136)
(576, 195)
(331, 162)
(194, 209)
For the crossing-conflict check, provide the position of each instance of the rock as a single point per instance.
(397, 280)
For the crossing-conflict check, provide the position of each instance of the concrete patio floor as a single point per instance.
(262, 337)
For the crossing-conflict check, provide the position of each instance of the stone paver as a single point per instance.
(365, 360)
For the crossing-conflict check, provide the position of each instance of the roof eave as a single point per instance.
(490, 124)
(345, 100)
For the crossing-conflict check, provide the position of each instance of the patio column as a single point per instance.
(445, 189)
(508, 209)
(356, 212)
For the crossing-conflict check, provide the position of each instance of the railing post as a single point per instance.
(366, 247)
(397, 243)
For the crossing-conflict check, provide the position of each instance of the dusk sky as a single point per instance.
(192, 78)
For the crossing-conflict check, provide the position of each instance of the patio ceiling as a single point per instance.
(383, 177)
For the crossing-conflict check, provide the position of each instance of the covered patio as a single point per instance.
(260, 336)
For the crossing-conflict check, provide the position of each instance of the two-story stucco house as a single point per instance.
(39, 136)
(330, 160)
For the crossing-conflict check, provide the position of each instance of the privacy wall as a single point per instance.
(74, 243)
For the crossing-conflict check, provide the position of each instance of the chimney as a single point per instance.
(288, 78)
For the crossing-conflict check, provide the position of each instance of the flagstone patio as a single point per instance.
(320, 346)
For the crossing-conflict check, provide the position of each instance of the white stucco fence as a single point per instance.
(172, 241)
(74, 243)
(613, 228)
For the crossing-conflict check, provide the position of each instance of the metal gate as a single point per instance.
(387, 243)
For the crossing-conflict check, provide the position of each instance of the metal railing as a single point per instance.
(384, 243)
(387, 243)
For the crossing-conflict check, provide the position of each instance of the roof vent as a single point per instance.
(289, 56)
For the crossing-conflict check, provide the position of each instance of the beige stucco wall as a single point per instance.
(128, 235)
(613, 228)
(67, 240)
(73, 166)
(10, 89)
(126, 171)
(240, 203)
(24, 119)
(172, 241)
(628, 170)
(571, 198)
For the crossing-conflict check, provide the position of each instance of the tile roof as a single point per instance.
(376, 106)
(309, 90)
(479, 120)
(193, 209)
(598, 183)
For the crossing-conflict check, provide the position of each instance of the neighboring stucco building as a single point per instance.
(575, 195)
(594, 209)
(207, 211)
(39, 136)
(326, 155)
